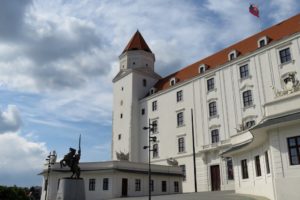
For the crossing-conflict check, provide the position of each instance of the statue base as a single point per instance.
(71, 189)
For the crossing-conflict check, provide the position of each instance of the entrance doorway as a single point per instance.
(215, 177)
(124, 187)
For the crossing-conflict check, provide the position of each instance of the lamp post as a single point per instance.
(51, 159)
(150, 129)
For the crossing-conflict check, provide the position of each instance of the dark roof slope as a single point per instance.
(274, 33)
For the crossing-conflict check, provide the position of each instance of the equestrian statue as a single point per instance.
(71, 160)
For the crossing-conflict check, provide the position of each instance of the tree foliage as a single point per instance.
(13, 193)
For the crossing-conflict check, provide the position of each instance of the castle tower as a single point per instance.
(134, 80)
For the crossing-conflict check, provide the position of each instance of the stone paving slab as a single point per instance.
(222, 195)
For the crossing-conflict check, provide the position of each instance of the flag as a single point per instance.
(253, 9)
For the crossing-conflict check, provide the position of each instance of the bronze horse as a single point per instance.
(72, 160)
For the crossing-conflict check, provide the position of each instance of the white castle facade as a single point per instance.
(231, 120)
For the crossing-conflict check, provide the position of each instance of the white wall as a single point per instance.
(115, 184)
(255, 185)
(286, 176)
(265, 71)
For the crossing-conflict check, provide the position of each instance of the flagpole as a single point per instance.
(259, 17)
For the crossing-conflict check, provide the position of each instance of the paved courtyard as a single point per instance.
(223, 195)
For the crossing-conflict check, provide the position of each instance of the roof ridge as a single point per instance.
(249, 44)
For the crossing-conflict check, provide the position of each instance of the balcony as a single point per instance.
(217, 145)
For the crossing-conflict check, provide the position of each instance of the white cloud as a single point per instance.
(64, 54)
(283, 9)
(20, 157)
(10, 119)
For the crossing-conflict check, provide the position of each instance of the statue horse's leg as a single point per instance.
(78, 172)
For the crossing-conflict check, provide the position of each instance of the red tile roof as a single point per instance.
(274, 33)
(137, 42)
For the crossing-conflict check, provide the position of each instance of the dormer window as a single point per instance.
(152, 90)
(173, 81)
(263, 41)
(202, 68)
(232, 55)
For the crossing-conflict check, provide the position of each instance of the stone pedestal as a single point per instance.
(70, 189)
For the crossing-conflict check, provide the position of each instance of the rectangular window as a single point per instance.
(247, 98)
(232, 56)
(180, 119)
(244, 71)
(154, 105)
(105, 184)
(244, 169)
(152, 185)
(92, 184)
(143, 111)
(212, 109)
(229, 169)
(164, 186)
(183, 171)
(137, 184)
(155, 151)
(176, 186)
(267, 162)
(215, 136)
(262, 43)
(210, 84)
(154, 126)
(181, 147)
(201, 70)
(119, 137)
(285, 55)
(144, 82)
(294, 150)
(257, 166)
(179, 96)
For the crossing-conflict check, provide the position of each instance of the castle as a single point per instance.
(230, 121)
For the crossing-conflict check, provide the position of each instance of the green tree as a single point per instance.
(13, 193)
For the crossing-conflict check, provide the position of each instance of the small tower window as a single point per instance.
(119, 137)
(144, 82)
(143, 111)
(133, 63)
(121, 115)
(122, 88)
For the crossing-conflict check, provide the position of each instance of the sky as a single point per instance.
(58, 59)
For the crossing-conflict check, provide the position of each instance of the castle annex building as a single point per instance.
(241, 104)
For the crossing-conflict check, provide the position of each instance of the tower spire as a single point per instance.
(137, 42)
